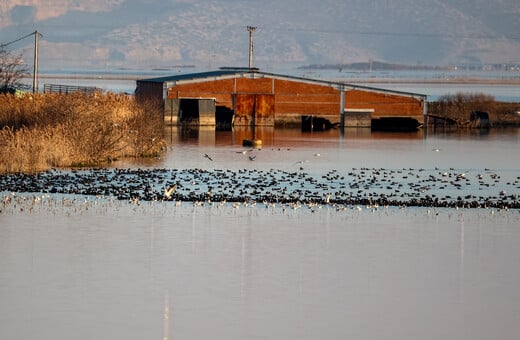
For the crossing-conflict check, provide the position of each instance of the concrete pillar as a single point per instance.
(342, 108)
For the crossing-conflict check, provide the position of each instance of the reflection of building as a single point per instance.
(251, 97)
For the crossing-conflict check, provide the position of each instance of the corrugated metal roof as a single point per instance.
(192, 76)
(242, 72)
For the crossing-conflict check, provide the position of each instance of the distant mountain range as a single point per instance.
(290, 33)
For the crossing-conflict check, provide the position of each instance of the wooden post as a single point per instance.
(35, 71)
(253, 117)
(342, 108)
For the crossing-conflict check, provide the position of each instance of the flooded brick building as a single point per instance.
(249, 96)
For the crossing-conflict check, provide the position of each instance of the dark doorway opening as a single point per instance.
(224, 118)
(401, 124)
(189, 110)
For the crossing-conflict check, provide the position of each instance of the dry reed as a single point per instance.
(460, 105)
(43, 131)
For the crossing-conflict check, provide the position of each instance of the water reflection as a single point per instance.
(357, 147)
(275, 137)
(279, 137)
(166, 317)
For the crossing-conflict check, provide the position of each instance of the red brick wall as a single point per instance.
(293, 99)
(258, 85)
(384, 104)
(297, 98)
(221, 90)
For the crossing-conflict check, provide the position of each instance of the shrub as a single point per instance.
(59, 130)
(460, 106)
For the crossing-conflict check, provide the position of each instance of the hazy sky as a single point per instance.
(135, 33)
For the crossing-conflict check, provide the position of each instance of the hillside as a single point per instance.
(291, 33)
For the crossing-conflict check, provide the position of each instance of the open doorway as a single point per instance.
(197, 111)
(224, 118)
(189, 111)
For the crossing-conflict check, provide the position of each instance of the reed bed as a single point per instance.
(460, 105)
(43, 131)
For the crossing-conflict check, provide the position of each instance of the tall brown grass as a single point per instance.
(43, 131)
(460, 105)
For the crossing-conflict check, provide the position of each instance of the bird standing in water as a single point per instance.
(168, 192)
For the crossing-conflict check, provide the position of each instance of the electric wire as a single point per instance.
(19, 39)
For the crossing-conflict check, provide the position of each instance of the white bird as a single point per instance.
(168, 192)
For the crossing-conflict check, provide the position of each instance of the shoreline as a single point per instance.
(440, 81)
(371, 80)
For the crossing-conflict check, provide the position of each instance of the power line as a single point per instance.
(17, 40)
(35, 73)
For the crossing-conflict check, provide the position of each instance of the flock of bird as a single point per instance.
(356, 186)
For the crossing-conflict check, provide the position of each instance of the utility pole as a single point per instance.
(35, 71)
(251, 29)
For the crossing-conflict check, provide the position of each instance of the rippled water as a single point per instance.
(98, 268)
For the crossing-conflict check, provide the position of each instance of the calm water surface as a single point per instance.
(96, 268)
(322, 151)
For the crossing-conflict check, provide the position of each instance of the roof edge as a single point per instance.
(231, 72)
